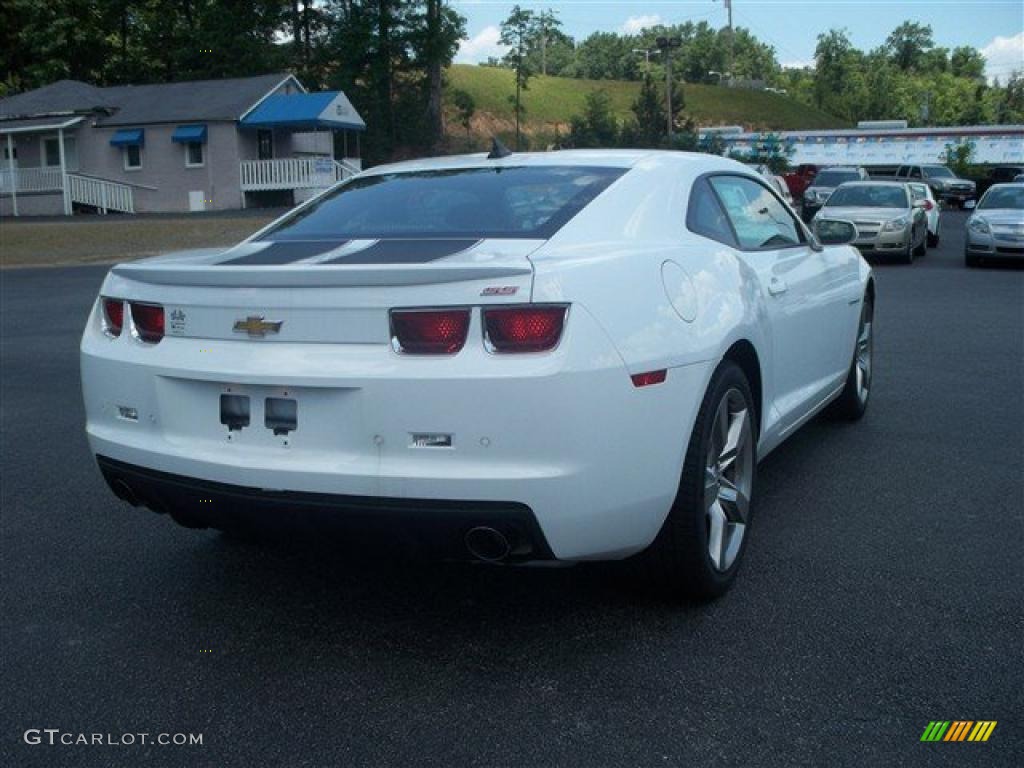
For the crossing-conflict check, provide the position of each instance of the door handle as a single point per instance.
(776, 286)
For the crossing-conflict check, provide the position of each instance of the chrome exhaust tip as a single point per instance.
(487, 544)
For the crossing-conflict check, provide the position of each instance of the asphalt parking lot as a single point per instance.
(882, 590)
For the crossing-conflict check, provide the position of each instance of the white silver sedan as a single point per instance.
(996, 228)
(521, 357)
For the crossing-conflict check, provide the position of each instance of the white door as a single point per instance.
(804, 291)
(197, 200)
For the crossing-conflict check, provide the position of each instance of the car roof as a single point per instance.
(607, 158)
(876, 183)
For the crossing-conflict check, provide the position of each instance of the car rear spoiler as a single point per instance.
(314, 276)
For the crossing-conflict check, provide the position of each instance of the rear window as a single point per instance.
(868, 197)
(835, 178)
(510, 202)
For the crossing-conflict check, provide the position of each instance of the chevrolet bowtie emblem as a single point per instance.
(256, 326)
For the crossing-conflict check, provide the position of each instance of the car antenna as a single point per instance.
(498, 150)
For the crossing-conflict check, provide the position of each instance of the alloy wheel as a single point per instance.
(729, 477)
(865, 351)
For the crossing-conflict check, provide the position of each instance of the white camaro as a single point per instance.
(561, 356)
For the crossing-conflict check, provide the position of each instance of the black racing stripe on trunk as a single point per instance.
(285, 252)
(404, 252)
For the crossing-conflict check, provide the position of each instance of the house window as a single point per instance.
(132, 157)
(194, 155)
(50, 152)
(265, 145)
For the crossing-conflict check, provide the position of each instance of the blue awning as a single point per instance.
(128, 137)
(189, 134)
(299, 111)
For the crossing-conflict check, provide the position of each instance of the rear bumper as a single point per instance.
(958, 195)
(434, 526)
(564, 434)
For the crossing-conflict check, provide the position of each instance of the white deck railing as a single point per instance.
(30, 180)
(294, 173)
(100, 193)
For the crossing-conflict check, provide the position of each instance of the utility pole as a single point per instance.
(665, 45)
(728, 7)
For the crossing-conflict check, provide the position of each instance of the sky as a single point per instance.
(996, 27)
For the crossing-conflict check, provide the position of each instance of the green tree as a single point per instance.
(546, 26)
(967, 62)
(606, 56)
(649, 114)
(1007, 102)
(435, 40)
(465, 108)
(908, 43)
(386, 55)
(596, 127)
(517, 31)
(958, 156)
(840, 83)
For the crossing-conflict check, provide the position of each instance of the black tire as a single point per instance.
(851, 403)
(923, 247)
(933, 240)
(907, 257)
(971, 261)
(678, 562)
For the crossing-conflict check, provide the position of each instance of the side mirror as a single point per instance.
(835, 231)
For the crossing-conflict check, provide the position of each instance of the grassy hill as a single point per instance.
(552, 101)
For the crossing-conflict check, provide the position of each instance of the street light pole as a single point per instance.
(647, 57)
(665, 45)
(728, 7)
(668, 91)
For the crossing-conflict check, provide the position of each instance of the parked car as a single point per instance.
(800, 178)
(826, 181)
(996, 227)
(1001, 174)
(945, 184)
(525, 357)
(922, 193)
(888, 220)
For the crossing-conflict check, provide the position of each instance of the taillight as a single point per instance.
(113, 314)
(523, 329)
(429, 331)
(149, 321)
(928, 205)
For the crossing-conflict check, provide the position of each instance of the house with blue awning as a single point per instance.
(190, 146)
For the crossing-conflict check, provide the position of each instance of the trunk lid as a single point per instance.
(322, 291)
